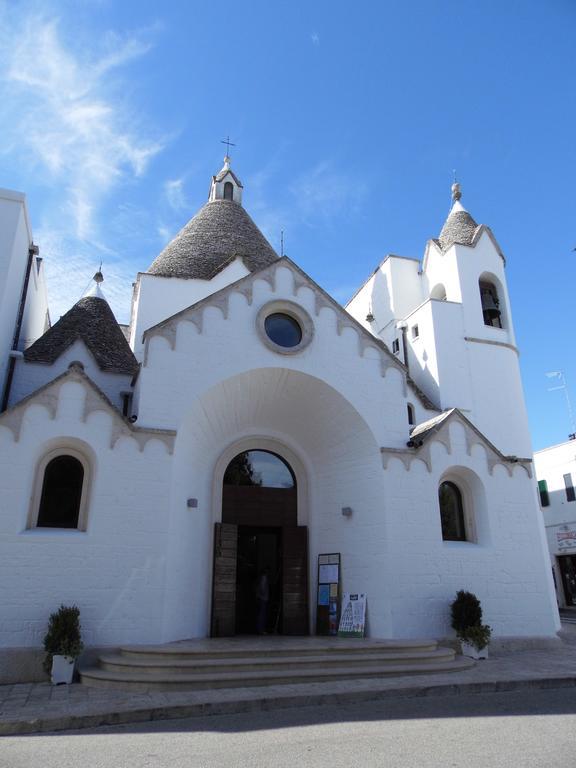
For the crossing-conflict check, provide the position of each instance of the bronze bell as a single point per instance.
(489, 304)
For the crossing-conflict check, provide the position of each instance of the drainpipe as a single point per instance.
(402, 326)
(33, 250)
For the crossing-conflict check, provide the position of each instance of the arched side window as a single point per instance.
(411, 419)
(491, 311)
(451, 512)
(61, 493)
(228, 191)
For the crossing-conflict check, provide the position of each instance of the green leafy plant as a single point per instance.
(478, 636)
(466, 612)
(63, 637)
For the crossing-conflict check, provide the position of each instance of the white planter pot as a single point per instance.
(472, 652)
(62, 670)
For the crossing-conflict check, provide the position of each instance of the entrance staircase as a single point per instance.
(263, 661)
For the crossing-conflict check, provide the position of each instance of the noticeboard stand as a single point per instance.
(328, 594)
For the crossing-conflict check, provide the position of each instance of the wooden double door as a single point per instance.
(259, 532)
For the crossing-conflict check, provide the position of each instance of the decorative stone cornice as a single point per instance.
(194, 314)
(440, 433)
(477, 235)
(48, 397)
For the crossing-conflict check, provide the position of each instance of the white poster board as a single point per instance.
(353, 615)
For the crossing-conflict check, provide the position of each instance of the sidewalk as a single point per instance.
(40, 707)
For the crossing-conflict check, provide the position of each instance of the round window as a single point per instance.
(283, 330)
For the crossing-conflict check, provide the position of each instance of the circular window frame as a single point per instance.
(297, 313)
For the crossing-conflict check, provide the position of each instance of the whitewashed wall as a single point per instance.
(28, 377)
(156, 298)
(115, 570)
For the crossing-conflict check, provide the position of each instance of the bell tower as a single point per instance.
(226, 185)
(478, 364)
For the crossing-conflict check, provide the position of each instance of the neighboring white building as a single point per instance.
(253, 422)
(556, 473)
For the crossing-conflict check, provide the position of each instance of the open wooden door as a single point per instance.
(224, 580)
(295, 580)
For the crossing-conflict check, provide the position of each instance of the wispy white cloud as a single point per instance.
(315, 37)
(324, 193)
(63, 118)
(174, 192)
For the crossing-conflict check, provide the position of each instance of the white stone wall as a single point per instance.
(157, 298)
(115, 570)
(28, 377)
(507, 567)
(15, 238)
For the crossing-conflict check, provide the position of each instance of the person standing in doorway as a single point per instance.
(262, 600)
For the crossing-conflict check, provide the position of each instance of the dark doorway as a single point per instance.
(259, 532)
(259, 551)
(567, 565)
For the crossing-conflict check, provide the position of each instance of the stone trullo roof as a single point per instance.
(459, 227)
(92, 321)
(218, 233)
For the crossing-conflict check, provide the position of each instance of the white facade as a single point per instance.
(556, 473)
(19, 263)
(212, 384)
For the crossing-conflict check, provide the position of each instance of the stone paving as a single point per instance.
(41, 707)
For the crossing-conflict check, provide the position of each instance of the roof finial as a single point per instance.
(99, 277)
(456, 192)
(228, 145)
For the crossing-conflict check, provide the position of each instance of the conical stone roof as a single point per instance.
(459, 227)
(220, 232)
(92, 321)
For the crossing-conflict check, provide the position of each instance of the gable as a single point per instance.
(245, 286)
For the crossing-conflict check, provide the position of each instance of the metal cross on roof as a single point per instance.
(228, 144)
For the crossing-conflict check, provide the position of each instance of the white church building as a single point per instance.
(246, 421)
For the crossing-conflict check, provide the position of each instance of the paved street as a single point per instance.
(520, 730)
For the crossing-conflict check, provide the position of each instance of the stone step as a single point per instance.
(150, 664)
(273, 646)
(139, 681)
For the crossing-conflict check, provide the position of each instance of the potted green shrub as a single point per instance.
(474, 636)
(63, 644)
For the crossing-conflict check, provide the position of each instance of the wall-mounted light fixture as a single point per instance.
(192, 503)
(347, 511)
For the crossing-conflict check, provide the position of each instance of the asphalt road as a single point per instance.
(521, 730)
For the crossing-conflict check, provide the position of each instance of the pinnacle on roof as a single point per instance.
(459, 227)
(91, 321)
(220, 232)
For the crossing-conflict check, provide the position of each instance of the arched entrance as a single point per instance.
(260, 553)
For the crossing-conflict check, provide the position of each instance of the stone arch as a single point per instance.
(492, 298)
(473, 493)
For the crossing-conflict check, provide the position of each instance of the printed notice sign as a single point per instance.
(329, 574)
(353, 616)
(566, 538)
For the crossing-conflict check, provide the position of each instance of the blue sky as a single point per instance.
(348, 120)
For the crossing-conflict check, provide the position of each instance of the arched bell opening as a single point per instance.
(491, 310)
(260, 583)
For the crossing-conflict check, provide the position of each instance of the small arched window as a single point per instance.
(228, 191)
(490, 304)
(411, 419)
(61, 492)
(451, 512)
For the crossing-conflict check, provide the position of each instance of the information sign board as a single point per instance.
(327, 603)
(353, 617)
